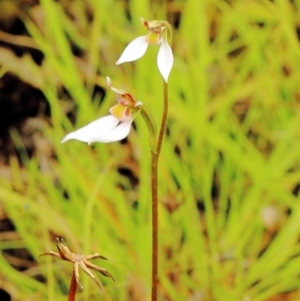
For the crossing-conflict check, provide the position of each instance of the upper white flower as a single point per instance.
(110, 128)
(159, 34)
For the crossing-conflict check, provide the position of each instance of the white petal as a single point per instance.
(165, 60)
(134, 50)
(108, 80)
(118, 133)
(97, 128)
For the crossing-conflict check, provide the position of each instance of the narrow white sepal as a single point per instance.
(97, 128)
(165, 60)
(120, 132)
(108, 80)
(134, 50)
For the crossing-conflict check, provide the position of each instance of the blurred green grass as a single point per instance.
(229, 170)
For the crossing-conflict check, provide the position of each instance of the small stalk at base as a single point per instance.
(73, 288)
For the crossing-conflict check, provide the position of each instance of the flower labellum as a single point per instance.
(110, 128)
(159, 34)
(105, 129)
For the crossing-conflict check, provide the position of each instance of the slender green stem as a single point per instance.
(73, 288)
(164, 118)
(154, 179)
(151, 124)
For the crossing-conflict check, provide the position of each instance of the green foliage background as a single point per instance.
(229, 171)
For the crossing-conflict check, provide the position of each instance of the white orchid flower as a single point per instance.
(159, 34)
(105, 129)
(110, 128)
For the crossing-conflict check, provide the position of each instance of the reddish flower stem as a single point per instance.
(154, 180)
(154, 161)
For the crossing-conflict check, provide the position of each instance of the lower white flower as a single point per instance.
(105, 129)
(113, 127)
